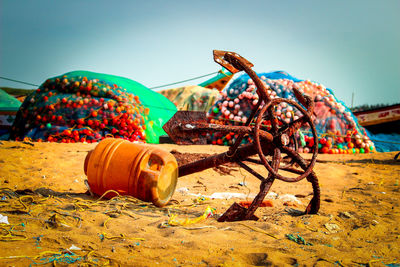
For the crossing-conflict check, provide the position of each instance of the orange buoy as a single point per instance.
(142, 171)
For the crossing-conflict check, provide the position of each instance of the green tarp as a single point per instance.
(8, 103)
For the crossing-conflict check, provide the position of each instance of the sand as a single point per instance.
(358, 222)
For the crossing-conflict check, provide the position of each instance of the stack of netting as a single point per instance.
(337, 128)
(84, 106)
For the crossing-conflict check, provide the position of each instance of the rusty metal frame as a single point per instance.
(189, 128)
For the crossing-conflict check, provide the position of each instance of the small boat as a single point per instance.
(384, 119)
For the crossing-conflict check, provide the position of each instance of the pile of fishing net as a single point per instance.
(337, 128)
(83, 106)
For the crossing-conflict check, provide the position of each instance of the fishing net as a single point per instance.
(336, 126)
(83, 106)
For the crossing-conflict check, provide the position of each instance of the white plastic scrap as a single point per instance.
(4, 219)
(183, 190)
(228, 195)
(189, 126)
(271, 195)
(289, 198)
(217, 195)
(73, 247)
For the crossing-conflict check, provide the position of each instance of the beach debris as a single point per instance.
(121, 236)
(216, 195)
(4, 219)
(294, 212)
(227, 195)
(183, 190)
(306, 225)
(289, 198)
(56, 221)
(38, 239)
(66, 257)
(73, 247)
(207, 226)
(101, 236)
(345, 215)
(8, 234)
(265, 203)
(332, 227)
(200, 227)
(258, 230)
(28, 143)
(290, 204)
(200, 200)
(175, 221)
(271, 195)
(261, 133)
(299, 239)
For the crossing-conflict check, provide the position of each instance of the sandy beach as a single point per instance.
(53, 221)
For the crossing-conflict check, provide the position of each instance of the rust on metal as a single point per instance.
(269, 143)
(175, 128)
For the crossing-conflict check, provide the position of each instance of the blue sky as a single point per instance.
(349, 46)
